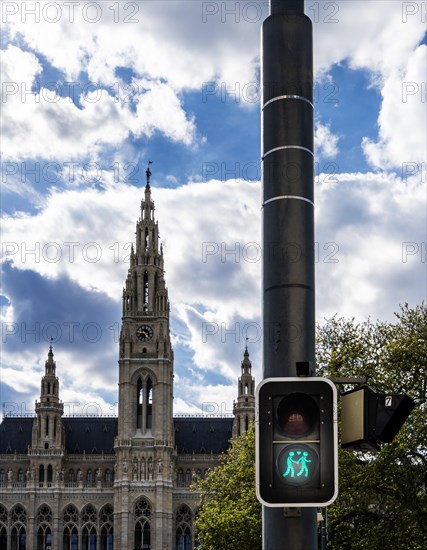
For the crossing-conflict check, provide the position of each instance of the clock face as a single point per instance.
(144, 333)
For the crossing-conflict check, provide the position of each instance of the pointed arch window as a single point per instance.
(47, 425)
(106, 523)
(70, 539)
(183, 526)
(149, 404)
(142, 538)
(18, 518)
(139, 403)
(146, 239)
(49, 473)
(145, 289)
(44, 537)
(18, 538)
(41, 473)
(89, 537)
(144, 404)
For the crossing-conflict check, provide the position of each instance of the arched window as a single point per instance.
(47, 425)
(41, 473)
(145, 294)
(149, 403)
(18, 517)
(180, 476)
(49, 473)
(71, 476)
(2, 475)
(44, 538)
(187, 476)
(139, 403)
(142, 538)
(89, 537)
(107, 536)
(183, 525)
(246, 423)
(18, 537)
(70, 539)
(89, 519)
(20, 477)
(108, 475)
(89, 476)
(106, 523)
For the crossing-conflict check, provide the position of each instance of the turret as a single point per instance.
(244, 407)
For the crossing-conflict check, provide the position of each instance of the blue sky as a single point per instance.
(89, 97)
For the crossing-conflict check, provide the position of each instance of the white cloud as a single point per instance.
(363, 223)
(44, 124)
(325, 142)
(403, 115)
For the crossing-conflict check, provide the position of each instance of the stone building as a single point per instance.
(96, 483)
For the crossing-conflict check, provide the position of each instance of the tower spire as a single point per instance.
(148, 174)
(47, 427)
(244, 407)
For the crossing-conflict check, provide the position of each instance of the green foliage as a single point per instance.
(230, 515)
(382, 496)
(382, 502)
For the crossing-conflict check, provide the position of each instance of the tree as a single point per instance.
(230, 514)
(382, 496)
(382, 501)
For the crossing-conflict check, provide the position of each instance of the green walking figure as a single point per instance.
(290, 464)
(303, 460)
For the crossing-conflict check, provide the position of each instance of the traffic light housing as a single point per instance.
(369, 418)
(296, 442)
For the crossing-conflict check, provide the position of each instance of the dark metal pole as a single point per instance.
(288, 225)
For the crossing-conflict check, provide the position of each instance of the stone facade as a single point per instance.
(85, 483)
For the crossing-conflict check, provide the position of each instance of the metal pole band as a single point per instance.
(279, 97)
(287, 147)
(285, 197)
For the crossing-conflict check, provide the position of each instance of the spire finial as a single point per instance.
(246, 347)
(148, 174)
(50, 347)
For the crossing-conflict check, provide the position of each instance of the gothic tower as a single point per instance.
(144, 444)
(244, 407)
(47, 448)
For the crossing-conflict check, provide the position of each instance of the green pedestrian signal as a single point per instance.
(296, 440)
(296, 462)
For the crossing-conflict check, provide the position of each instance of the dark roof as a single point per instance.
(96, 434)
(202, 435)
(15, 434)
(82, 434)
(90, 434)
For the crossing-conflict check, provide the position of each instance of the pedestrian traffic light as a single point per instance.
(296, 442)
(369, 418)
